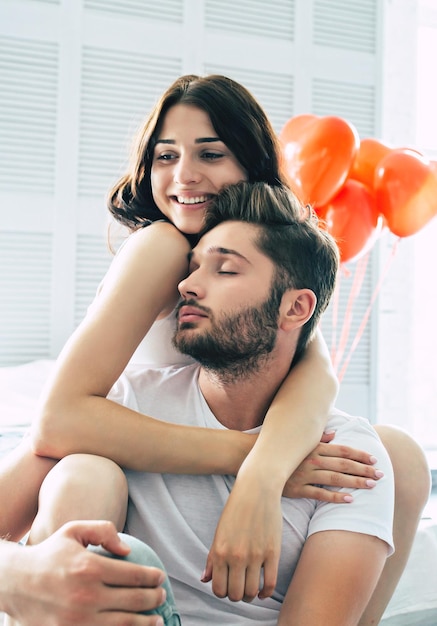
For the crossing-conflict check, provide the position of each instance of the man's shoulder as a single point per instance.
(340, 419)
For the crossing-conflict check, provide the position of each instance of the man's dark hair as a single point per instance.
(305, 256)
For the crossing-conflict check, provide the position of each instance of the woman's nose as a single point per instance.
(186, 171)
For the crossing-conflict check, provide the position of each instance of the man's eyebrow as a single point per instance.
(198, 140)
(219, 250)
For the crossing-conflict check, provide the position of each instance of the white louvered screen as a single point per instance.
(97, 67)
(92, 261)
(170, 10)
(354, 103)
(28, 110)
(25, 286)
(110, 116)
(274, 91)
(273, 19)
(351, 25)
(342, 321)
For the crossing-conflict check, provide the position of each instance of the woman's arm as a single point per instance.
(249, 531)
(75, 414)
(295, 422)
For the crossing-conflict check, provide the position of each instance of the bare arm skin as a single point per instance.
(59, 582)
(76, 416)
(334, 579)
(292, 428)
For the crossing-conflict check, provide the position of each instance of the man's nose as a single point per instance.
(190, 287)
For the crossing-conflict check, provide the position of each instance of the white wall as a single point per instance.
(76, 77)
(406, 357)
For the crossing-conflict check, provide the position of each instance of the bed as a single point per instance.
(415, 600)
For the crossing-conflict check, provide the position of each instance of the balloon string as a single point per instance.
(335, 305)
(359, 274)
(368, 310)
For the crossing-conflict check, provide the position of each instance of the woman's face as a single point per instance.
(190, 165)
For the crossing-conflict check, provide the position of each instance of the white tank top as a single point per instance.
(157, 349)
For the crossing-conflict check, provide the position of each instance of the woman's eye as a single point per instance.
(227, 272)
(165, 157)
(212, 156)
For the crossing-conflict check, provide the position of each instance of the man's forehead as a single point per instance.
(234, 236)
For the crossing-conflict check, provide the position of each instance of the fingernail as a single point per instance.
(202, 578)
(379, 474)
(373, 460)
(348, 498)
(370, 482)
(329, 431)
(159, 622)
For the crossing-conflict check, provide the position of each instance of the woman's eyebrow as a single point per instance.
(207, 139)
(198, 140)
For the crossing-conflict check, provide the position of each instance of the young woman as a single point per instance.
(204, 133)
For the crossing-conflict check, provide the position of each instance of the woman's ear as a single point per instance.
(297, 307)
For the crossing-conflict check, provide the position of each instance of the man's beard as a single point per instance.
(236, 344)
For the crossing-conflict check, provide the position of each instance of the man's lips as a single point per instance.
(190, 314)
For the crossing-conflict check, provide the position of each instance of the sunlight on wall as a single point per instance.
(424, 325)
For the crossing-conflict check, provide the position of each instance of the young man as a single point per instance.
(259, 281)
(260, 278)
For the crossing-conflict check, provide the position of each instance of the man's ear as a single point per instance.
(297, 307)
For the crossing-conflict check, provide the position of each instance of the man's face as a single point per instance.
(228, 318)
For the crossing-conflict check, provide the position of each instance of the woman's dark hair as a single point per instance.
(239, 121)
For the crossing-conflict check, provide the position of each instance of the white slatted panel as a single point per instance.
(334, 325)
(169, 10)
(92, 261)
(273, 19)
(350, 27)
(351, 24)
(25, 259)
(118, 90)
(311, 65)
(355, 103)
(28, 101)
(275, 92)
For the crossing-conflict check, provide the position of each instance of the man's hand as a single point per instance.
(330, 465)
(247, 543)
(59, 582)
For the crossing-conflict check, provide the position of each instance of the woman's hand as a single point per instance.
(329, 465)
(247, 542)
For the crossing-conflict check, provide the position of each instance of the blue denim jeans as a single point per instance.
(142, 554)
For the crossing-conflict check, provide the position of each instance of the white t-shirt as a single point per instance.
(177, 515)
(156, 349)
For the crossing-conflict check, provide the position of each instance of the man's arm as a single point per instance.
(60, 582)
(334, 579)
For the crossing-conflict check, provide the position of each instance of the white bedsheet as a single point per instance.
(415, 600)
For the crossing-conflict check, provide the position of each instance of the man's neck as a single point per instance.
(241, 402)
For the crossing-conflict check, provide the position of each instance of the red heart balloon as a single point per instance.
(369, 155)
(318, 154)
(406, 191)
(352, 218)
